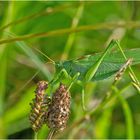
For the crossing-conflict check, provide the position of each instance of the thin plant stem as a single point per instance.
(35, 135)
(47, 11)
(132, 74)
(17, 93)
(51, 134)
(107, 26)
(127, 114)
(136, 86)
(71, 37)
(83, 99)
(4, 59)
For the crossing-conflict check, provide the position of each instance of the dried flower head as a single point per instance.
(122, 69)
(58, 110)
(38, 107)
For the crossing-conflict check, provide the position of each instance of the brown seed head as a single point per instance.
(38, 107)
(58, 110)
(122, 69)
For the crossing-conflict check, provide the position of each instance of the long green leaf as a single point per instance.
(4, 67)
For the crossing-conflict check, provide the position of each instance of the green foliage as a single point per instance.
(66, 31)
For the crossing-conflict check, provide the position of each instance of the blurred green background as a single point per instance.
(17, 80)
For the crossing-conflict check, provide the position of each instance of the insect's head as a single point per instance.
(63, 65)
(59, 65)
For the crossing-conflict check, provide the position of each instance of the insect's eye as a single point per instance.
(59, 65)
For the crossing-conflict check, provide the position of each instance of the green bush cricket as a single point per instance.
(88, 68)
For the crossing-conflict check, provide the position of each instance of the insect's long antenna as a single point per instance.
(12, 34)
(45, 55)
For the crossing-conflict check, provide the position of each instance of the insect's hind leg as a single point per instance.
(131, 72)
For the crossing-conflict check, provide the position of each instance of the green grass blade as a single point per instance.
(132, 74)
(3, 73)
(103, 124)
(28, 51)
(35, 59)
(3, 69)
(128, 118)
(45, 12)
(127, 113)
(102, 26)
(71, 37)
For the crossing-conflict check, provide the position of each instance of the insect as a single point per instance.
(89, 68)
(97, 67)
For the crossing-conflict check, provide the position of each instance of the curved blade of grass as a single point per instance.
(47, 11)
(127, 114)
(131, 72)
(3, 69)
(103, 124)
(3, 73)
(102, 26)
(128, 118)
(28, 51)
(71, 37)
(35, 59)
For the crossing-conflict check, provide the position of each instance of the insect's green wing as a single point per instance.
(109, 66)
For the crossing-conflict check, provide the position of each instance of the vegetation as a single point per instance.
(84, 52)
